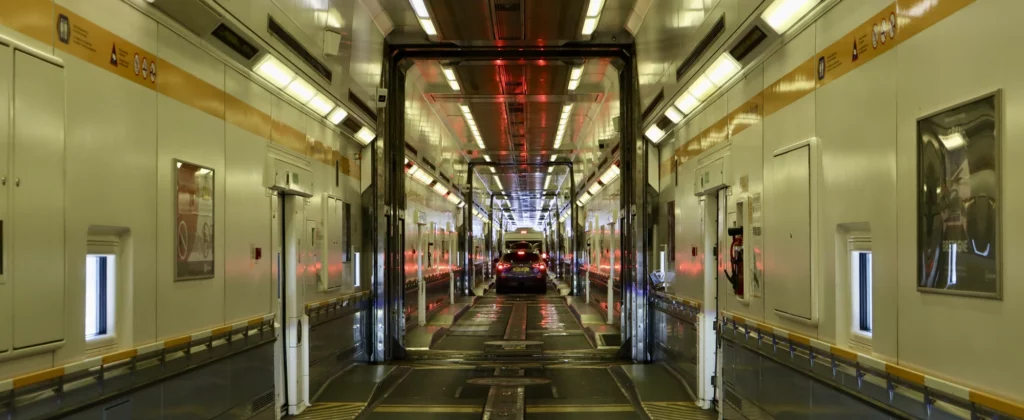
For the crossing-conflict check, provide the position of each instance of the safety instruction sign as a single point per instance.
(194, 222)
(94, 44)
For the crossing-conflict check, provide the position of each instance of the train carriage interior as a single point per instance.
(510, 209)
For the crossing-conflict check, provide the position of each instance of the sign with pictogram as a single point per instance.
(194, 222)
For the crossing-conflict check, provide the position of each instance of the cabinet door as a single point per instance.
(791, 232)
(6, 308)
(38, 202)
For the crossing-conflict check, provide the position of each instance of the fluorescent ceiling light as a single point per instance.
(428, 27)
(454, 199)
(574, 83)
(610, 174)
(300, 90)
(366, 135)
(498, 181)
(953, 141)
(448, 73)
(464, 108)
(321, 105)
(423, 177)
(551, 169)
(702, 88)
(566, 108)
(577, 72)
(589, 25)
(594, 188)
(412, 169)
(337, 116)
(687, 103)
(487, 158)
(723, 69)
(274, 71)
(547, 181)
(554, 157)
(673, 114)
(595, 8)
(453, 84)
(654, 133)
(420, 8)
(440, 189)
(782, 14)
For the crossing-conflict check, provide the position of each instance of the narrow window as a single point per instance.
(99, 296)
(337, 174)
(861, 265)
(346, 209)
(671, 230)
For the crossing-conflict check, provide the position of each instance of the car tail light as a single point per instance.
(503, 266)
(521, 253)
(540, 266)
(544, 255)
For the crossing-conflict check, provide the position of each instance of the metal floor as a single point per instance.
(506, 357)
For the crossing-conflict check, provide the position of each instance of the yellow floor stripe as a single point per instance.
(325, 411)
(677, 411)
(428, 409)
(605, 408)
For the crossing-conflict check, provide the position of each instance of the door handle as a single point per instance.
(298, 332)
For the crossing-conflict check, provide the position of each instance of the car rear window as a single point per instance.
(525, 257)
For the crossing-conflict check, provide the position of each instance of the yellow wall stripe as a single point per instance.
(910, 17)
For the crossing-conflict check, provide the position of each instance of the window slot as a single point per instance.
(99, 296)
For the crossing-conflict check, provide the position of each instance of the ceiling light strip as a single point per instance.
(275, 72)
(717, 75)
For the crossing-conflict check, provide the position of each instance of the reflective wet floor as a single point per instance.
(509, 357)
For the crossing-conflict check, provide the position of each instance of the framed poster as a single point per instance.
(193, 221)
(958, 188)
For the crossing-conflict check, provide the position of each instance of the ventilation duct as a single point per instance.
(211, 27)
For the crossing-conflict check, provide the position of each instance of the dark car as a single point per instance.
(522, 270)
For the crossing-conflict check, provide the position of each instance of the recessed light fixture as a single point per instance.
(782, 14)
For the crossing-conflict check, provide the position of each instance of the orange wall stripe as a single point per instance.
(190, 90)
(838, 59)
(246, 117)
(284, 135)
(220, 331)
(35, 378)
(30, 17)
(94, 44)
(844, 354)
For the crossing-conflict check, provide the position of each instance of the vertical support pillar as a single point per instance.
(467, 235)
(575, 282)
(611, 279)
(634, 213)
(421, 284)
(296, 321)
(707, 335)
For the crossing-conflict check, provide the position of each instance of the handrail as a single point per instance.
(54, 380)
(974, 400)
(337, 301)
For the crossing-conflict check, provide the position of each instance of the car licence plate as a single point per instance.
(521, 270)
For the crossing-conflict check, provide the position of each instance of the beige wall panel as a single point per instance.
(964, 339)
(111, 149)
(248, 283)
(187, 134)
(856, 126)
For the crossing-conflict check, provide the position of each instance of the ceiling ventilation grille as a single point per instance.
(701, 47)
(361, 104)
(508, 20)
(296, 47)
(748, 43)
(653, 105)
